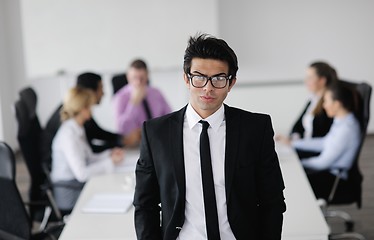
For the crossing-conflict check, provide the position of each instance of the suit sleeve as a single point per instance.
(270, 188)
(147, 194)
(95, 132)
(298, 126)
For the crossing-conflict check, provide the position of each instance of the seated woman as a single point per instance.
(73, 161)
(313, 121)
(339, 147)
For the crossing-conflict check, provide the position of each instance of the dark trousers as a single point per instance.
(321, 183)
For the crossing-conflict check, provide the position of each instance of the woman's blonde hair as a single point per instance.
(75, 101)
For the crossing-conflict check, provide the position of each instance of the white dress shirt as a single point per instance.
(338, 147)
(194, 225)
(72, 157)
(308, 117)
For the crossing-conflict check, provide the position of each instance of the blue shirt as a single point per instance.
(338, 148)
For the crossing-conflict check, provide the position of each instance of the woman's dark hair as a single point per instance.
(208, 47)
(346, 95)
(325, 70)
(89, 80)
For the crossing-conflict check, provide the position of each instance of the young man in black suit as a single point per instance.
(210, 169)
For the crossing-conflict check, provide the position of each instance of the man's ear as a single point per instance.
(186, 80)
(233, 81)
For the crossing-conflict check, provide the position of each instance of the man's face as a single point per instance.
(208, 99)
(137, 77)
(99, 92)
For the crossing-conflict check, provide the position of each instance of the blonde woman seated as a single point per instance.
(73, 161)
(340, 145)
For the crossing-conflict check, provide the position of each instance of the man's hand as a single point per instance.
(117, 155)
(133, 139)
(138, 94)
(283, 139)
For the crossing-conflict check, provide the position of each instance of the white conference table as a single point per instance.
(303, 219)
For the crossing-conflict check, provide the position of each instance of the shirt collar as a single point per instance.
(215, 120)
(74, 125)
(348, 117)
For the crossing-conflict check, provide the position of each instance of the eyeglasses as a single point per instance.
(200, 81)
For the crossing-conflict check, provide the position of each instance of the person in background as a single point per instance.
(98, 138)
(338, 148)
(212, 168)
(137, 102)
(313, 121)
(73, 160)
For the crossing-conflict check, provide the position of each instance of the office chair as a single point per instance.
(28, 136)
(14, 220)
(351, 191)
(118, 81)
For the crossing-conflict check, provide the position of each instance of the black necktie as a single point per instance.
(147, 109)
(210, 205)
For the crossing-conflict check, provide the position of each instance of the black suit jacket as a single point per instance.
(93, 132)
(254, 184)
(321, 124)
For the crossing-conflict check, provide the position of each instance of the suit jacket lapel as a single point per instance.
(176, 148)
(232, 143)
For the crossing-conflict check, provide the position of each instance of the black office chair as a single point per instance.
(118, 81)
(351, 191)
(42, 205)
(14, 220)
(29, 133)
(30, 139)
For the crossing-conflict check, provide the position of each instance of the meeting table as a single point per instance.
(104, 209)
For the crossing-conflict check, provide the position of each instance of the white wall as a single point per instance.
(39, 38)
(276, 40)
(11, 67)
(74, 36)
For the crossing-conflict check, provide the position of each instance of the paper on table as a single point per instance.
(108, 203)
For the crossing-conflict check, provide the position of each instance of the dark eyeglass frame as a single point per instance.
(207, 79)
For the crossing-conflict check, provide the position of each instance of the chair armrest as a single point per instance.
(36, 203)
(67, 185)
(60, 184)
(335, 185)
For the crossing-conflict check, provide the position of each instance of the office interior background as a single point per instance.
(45, 44)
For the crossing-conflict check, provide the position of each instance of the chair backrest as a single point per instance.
(14, 221)
(28, 95)
(363, 90)
(29, 131)
(119, 81)
(363, 114)
(29, 136)
(7, 168)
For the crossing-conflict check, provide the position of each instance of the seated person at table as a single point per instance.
(137, 102)
(73, 161)
(339, 147)
(94, 133)
(313, 121)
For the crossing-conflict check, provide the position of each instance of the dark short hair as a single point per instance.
(89, 80)
(208, 47)
(325, 70)
(139, 64)
(346, 95)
